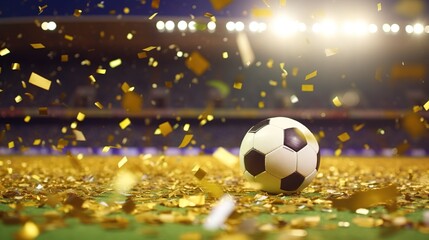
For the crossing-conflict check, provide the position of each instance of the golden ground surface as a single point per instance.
(388, 193)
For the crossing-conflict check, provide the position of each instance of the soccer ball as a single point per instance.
(281, 154)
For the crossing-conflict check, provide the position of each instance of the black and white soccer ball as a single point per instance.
(281, 154)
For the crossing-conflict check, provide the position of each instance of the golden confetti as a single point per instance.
(125, 123)
(41, 8)
(295, 71)
(262, 12)
(337, 102)
(125, 87)
(307, 87)
(197, 63)
(186, 140)
(77, 12)
(43, 111)
(27, 119)
(186, 127)
(141, 55)
(344, 137)
(261, 104)
(79, 135)
(358, 127)
(273, 83)
(237, 85)
(4, 52)
(80, 117)
(29, 231)
(220, 4)
(122, 162)
(225, 55)
(115, 63)
(426, 106)
(379, 7)
(124, 181)
(225, 157)
(99, 105)
(245, 49)
(338, 152)
(18, 99)
(367, 222)
(16, 66)
(331, 51)
(101, 71)
(153, 16)
(37, 142)
(148, 49)
(68, 37)
(92, 79)
(11, 144)
(165, 128)
(311, 75)
(64, 58)
(365, 199)
(155, 4)
(39, 81)
(37, 45)
(199, 172)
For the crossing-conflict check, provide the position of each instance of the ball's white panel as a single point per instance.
(284, 122)
(281, 162)
(269, 183)
(306, 160)
(308, 180)
(268, 138)
(246, 145)
(248, 176)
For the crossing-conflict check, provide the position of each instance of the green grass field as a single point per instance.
(162, 197)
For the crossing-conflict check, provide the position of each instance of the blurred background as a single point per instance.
(81, 75)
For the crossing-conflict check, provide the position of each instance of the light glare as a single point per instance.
(160, 25)
(211, 26)
(418, 28)
(239, 26)
(394, 28)
(230, 26)
(182, 25)
(386, 28)
(409, 29)
(169, 25)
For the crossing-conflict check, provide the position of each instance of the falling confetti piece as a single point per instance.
(122, 162)
(344, 137)
(165, 128)
(358, 127)
(27, 119)
(238, 85)
(307, 87)
(37, 142)
(11, 144)
(43, 111)
(331, 51)
(366, 199)
(101, 71)
(79, 135)
(77, 12)
(141, 55)
(80, 116)
(37, 45)
(115, 63)
(16, 66)
(186, 140)
(379, 7)
(219, 4)
(92, 79)
(18, 99)
(262, 12)
(337, 102)
(220, 213)
(155, 4)
(68, 37)
(125, 123)
(39, 81)
(311, 75)
(426, 106)
(153, 16)
(197, 63)
(42, 8)
(4, 52)
(99, 105)
(29, 231)
(148, 49)
(225, 157)
(124, 181)
(64, 58)
(199, 172)
(294, 99)
(245, 49)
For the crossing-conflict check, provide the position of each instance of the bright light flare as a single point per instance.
(386, 27)
(409, 29)
(372, 28)
(327, 27)
(211, 26)
(192, 26)
(160, 25)
(257, 26)
(230, 26)
(283, 26)
(169, 25)
(395, 28)
(418, 28)
(182, 25)
(239, 26)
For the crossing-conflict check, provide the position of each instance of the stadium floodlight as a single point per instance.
(348, 27)
(160, 25)
(394, 28)
(329, 27)
(386, 27)
(360, 28)
(427, 29)
(418, 28)
(239, 26)
(211, 26)
(317, 27)
(169, 25)
(192, 26)
(409, 29)
(52, 26)
(301, 27)
(283, 26)
(372, 28)
(254, 26)
(44, 26)
(230, 26)
(182, 25)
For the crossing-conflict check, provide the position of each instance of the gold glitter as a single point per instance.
(4, 52)
(307, 87)
(80, 117)
(331, 51)
(77, 12)
(344, 137)
(37, 45)
(18, 99)
(337, 102)
(99, 105)
(122, 162)
(115, 63)
(68, 37)
(379, 7)
(199, 172)
(426, 106)
(11, 144)
(125, 123)
(39, 81)
(155, 4)
(64, 58)
(219, 4)
(27, 119)
(153, 16)
(311, 75)
(186, 140)
(165, 128)
(197, 63)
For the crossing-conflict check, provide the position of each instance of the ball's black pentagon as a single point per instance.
(254, 162)
(318, 161)
(259, 125)
(294, 139)
(291, 182)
